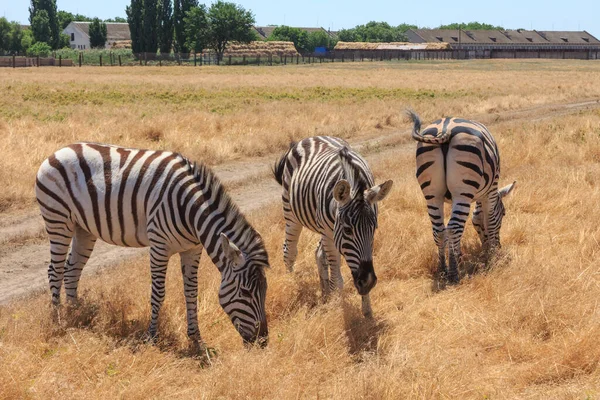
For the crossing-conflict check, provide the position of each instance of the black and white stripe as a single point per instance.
(156, 199)
(329, 189)
(458, 162)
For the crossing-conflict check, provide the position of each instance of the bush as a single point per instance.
(39, 49)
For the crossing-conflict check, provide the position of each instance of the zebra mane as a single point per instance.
(249, 242)
(352, 173)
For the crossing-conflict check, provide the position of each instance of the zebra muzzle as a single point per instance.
(365, 278)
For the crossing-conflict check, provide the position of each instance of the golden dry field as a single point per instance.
(525, 327)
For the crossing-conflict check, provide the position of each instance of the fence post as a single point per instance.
(119, 60)
(160, 62)
(297, 57)
(60, 60)
(258, 60)
(100, 59)
(244, 59)
(14, 61)
(195, 63)
(230, 59)
(145, 58)
(38, 59)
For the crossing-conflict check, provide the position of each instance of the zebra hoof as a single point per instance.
(150, 337)
(452, 279)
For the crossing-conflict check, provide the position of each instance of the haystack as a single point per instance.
(260, 48)
(360, 46)
(121, 44)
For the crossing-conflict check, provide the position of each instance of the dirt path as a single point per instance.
(24, 254)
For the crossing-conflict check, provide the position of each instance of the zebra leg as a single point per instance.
(189, 269)
(60, 234)
(456, 226)
(290, 245)
(336, 282)
(81, 249)
(477, 220)
(159, 259)
(323, 267)
(435, 207)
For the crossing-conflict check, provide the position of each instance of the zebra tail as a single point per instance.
(418, 136)
(279, 165)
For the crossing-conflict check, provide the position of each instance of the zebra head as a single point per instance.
(243, 291)
(354, 228)
(490, 237)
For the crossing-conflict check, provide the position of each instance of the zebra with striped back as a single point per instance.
(458, 162)
(157, 199)
(329, 189)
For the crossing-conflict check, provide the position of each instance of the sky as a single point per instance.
(337, 14)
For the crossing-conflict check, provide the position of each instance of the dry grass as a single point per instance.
(527, 327)
(218, 114)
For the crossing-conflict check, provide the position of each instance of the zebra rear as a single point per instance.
(457, 161)
(329, 189)
(156, 199)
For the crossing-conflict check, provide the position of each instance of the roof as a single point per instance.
(444, 35)
(576, 37)
(114, 30)
(265, 31)
(520, 36)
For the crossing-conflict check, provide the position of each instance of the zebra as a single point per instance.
(458, 162)
(158, 199)
(329, 189)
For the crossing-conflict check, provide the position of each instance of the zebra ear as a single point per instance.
(505, 191)
(231, 251)
(379, 192)
(341, 192)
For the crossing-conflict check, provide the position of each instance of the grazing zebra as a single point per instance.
(458, 161)
(156, 199)
(329, 189)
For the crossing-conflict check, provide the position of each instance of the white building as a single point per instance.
(79, 37)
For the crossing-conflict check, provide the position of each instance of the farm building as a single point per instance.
(512, 43)
(78, 33)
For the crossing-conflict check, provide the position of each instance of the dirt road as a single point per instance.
(24, 253)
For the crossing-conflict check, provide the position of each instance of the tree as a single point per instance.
(16, 37)
(64, 19)
(181, 7)
(40, 49)
(4, 35)
(26, 40)
(150, 26)
(116, 19)
(135, 15)
(52, 14)
(288, 34)
(64, 41)
(229, 22)
(376, 32)
(40, 27)
(196, 28)
(165, 26)
(471, 26)
(97, 33)
(320, 38)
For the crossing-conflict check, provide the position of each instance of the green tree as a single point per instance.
(165, 26)
(65, 41)
(116, 19)
(64, 19)
(376, 32)
(16, 37)
(97, 33)
(181, 7)
(289, 34)
(196, 28)
(150, 19)
(39, 49)
(135, 19)
(229, 22)
(4, 35)
(52, 14)
(40, 27)
(320, 39)
(347, 35)
(471, 26)
(26, 40)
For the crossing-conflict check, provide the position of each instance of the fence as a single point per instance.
(200, 59)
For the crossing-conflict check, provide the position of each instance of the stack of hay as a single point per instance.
(360, 46)
(121, 44)
(260, 48)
